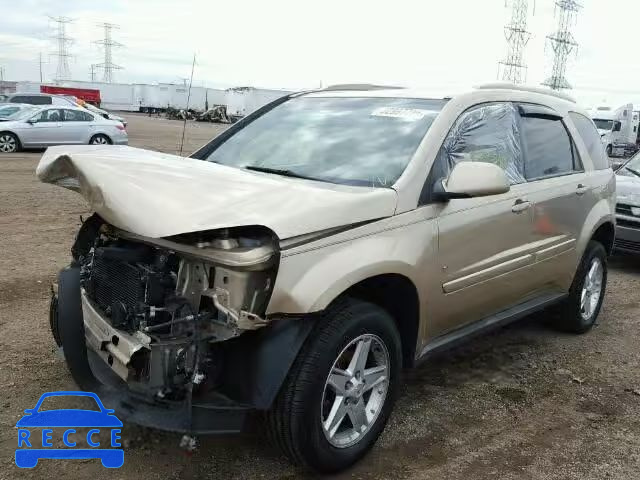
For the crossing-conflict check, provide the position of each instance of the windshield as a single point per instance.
(631, 167)
(8, 110)
(602, 124)
(352, 141)
(23, 114)
(93, 109)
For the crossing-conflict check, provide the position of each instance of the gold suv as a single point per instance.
(293, 265)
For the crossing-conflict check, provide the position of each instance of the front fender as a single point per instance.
(309, 280)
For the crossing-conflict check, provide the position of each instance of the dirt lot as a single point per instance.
(522, 403)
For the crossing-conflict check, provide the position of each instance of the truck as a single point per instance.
(89, 95)
(618, 129)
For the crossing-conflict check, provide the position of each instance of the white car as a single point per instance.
(11, 110)
(59, 126)
(105, 114)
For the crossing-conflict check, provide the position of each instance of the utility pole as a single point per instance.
(513, 66)
(62, 41)
(184, 125)
(93, 72)
(1, 74)
(108, 43)
(562, 43)
(40, 64)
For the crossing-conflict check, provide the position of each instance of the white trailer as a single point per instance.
(242, 101)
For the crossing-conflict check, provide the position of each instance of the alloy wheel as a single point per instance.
(592, 289)
(99, 141)
(355, 391)
(7, 144)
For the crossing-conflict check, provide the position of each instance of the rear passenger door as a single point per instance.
(559, 192)
(76, 126)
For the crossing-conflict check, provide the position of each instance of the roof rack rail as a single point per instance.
(361, 86)
(526, 88)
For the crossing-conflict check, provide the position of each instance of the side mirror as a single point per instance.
(472, 179)
(617, 126)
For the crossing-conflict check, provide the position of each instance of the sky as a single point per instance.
(446, 45)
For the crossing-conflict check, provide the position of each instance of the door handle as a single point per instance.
(581, 189)
(520, 205)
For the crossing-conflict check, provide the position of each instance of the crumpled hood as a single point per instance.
(158, 195)
(628, 189)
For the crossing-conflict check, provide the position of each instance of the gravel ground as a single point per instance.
(522, 403)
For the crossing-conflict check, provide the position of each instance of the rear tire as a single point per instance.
(579, 312)
(299, 422)
(100, 139)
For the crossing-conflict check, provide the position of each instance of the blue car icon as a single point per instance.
(68, 418)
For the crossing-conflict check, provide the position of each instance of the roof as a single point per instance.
(487, 92)
(370, 90)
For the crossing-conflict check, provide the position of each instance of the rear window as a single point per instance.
(591, 139)
(353, 141)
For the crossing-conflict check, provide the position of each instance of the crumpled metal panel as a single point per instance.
(158, 195)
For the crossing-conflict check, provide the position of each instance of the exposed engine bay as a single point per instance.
(157, 310)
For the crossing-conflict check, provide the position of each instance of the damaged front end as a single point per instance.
(171, 325)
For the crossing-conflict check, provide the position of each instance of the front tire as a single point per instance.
(609, 150)
(9, 143)
(580, 310)
(341, 389)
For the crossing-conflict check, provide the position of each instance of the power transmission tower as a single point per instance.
(93, 72)
(63, 41)
(513, 68)
(562, 43)
(107, 43)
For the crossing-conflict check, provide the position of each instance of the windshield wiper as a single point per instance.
(635, 172)
(279, 171)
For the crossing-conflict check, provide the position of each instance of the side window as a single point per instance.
(548, 147)
(76, 116)
(591, 139)
(51, 115)
(20, 99)
(485, 133)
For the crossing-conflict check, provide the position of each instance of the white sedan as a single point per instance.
(57, 125)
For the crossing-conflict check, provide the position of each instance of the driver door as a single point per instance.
(43, 129)
(485, 244)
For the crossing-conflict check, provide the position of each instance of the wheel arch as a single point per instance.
(397, 295)
(14, 134)
(599, 225)
(605, 234)
(101, 134)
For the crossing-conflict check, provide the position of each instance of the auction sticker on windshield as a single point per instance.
(411, 114)
(81, 433)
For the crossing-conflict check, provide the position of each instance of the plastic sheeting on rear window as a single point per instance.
(488, 133)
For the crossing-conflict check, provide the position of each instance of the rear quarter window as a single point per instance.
(589, 134)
